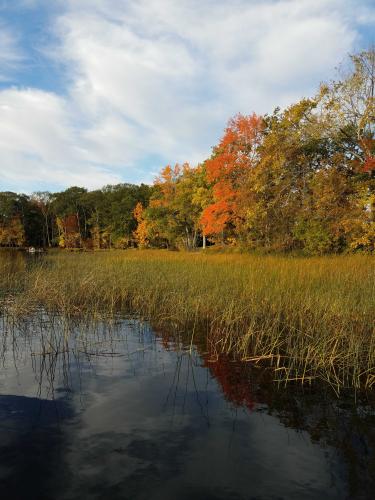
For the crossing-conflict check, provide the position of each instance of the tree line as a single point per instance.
(302, 178)
(74, 218)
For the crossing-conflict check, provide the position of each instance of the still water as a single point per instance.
(118, 411)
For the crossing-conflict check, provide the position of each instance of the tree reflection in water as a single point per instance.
(347, 422)
(66, 357)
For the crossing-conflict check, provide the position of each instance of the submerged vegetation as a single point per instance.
(305, 318)
(84, 370)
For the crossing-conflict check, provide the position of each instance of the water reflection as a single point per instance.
(113, 410)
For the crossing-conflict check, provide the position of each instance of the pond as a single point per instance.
(115, 410)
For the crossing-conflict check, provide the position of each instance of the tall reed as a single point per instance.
(305, 318)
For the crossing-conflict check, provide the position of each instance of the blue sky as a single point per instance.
(104, 91)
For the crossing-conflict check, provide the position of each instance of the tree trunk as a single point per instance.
(194, 244)
(47, 230)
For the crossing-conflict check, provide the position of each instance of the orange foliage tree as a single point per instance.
(140, 234)
(12, 232)
(226, 170)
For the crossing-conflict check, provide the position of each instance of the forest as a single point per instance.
(299, 179)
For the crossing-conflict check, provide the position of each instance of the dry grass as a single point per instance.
(306, 318)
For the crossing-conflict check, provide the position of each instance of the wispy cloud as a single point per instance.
(10, 53)
(159, 78)
(39, 141)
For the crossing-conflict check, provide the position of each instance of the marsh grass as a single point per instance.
(305, 319)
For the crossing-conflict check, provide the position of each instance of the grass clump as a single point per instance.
(305, 318)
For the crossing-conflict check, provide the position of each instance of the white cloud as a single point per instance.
(160, 78)
(39, 144)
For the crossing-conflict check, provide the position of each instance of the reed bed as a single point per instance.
(304, 318)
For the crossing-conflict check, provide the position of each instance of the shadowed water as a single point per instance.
(117, 411)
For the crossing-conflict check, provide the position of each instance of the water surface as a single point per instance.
(116, 411)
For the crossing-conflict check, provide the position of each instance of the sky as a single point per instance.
(96, 92)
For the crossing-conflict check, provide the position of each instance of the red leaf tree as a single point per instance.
(226, 170)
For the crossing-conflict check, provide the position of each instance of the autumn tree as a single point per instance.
(275, 189)
(20, 220)
(69, 231)
(348, 110)
(226, 170)
(140, 233)
(174, 212)
(302, 178)
(347, 116)
(12, 233)
(104, 217)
